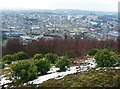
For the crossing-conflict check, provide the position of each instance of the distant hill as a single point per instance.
(63, 11)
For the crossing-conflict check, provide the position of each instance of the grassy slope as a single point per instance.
(93, 78)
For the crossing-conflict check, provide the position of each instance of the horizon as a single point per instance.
(89, 5)
(28, 9)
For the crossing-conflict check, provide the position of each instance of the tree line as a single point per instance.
(67, 47)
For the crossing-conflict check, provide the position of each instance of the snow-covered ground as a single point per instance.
(6, 68)
(53, 74)
(90, 63)
(56, 75)
(4, 81)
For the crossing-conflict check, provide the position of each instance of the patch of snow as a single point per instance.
(58, 75)
(53, 75)
(6, 64)
(53, 69)
(82, 68)
(4, 81)
(98, 68)
(117, 68)
(6, 86)
(91, 62)
(6, 68)
(1, 76)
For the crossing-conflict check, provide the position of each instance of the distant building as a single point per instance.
(26, 39)
(114, 35)
(17, 34)
(93, 23)
(4, 34)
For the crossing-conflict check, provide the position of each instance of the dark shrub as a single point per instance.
(38, 56)
(52, 57)
(20, 56)
(43, 65)
(8, 58)
(2, 65)
(93, 52)
(63, 63)
(23, 72)
(105, 58)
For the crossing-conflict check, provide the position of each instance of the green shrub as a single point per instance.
(38, 56)
(52, 57)
(105, 58)
(20, 56)
(2, 65)
(63, 63)
(93, 52)
(43, 65)
(15, 57)
(8, 62)
(8, 58)
(23, 72)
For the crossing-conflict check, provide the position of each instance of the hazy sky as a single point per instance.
(98, 5)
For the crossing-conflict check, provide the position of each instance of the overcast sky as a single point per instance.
(97, 5)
